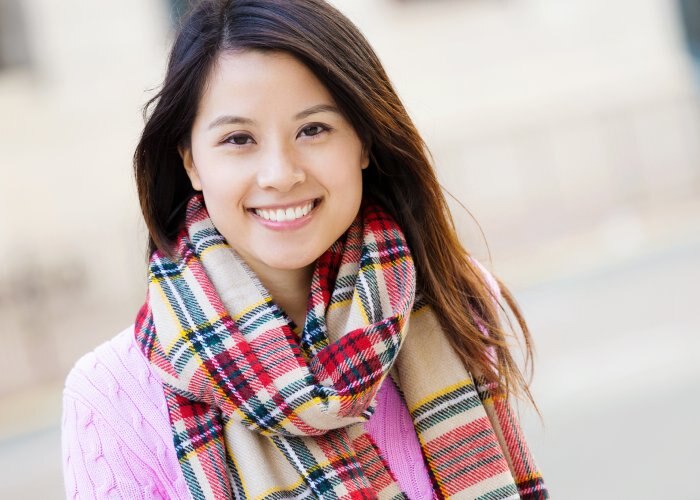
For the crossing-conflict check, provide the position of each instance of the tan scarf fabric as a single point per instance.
(258, 413)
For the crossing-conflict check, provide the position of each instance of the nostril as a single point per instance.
(281, 179)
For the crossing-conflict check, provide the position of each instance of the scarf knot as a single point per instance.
(224, 342)
(258, 411)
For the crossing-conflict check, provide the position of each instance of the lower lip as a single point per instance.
(287, 224)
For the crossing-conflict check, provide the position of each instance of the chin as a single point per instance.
(290, 262)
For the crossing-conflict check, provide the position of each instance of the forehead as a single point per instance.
(254, 81)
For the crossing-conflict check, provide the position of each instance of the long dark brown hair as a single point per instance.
(400, 175)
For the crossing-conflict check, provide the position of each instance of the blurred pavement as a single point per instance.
(617, 379)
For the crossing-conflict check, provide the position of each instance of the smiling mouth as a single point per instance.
(285, 214)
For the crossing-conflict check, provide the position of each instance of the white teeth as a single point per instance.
(281, 215)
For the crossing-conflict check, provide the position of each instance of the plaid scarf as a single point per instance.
(259, 412)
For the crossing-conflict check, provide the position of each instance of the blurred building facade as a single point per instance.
(569, 129)
(548, 120)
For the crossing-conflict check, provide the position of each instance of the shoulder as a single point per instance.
(106, 353)
(107, 368)
(116, 430)
(116, 382)
(117, 377)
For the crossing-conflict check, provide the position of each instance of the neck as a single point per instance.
(289, 289)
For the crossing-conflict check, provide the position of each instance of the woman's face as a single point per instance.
(279, 166)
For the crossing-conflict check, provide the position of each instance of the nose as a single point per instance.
(280, 170)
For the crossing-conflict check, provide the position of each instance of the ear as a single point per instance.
(365, 156)
(190, 167)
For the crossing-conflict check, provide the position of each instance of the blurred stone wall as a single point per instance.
(71, 244)
(548, 120)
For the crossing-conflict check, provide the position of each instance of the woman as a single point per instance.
(312, 325)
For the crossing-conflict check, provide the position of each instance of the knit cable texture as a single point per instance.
(117, 441)
(391, 428)
(116, 434)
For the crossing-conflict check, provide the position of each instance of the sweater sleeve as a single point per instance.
(116, 437)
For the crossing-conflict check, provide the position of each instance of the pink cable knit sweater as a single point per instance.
(117, 441)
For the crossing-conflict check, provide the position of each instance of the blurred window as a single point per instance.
(690, 13)
(14, 45)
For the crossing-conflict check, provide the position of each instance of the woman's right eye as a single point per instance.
(240, 139)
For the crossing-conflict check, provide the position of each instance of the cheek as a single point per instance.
(342, 168)
(221, 178)
(223, 195)
(220, 196)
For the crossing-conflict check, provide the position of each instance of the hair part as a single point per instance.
(400, 175)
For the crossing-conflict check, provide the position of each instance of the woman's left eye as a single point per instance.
(313, 130)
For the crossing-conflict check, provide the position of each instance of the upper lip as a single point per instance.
(292, 204)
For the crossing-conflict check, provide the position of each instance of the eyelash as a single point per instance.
(320, 126)
(231, 138)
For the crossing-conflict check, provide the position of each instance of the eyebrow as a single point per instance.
(234, 120)
(319, 108)
(230, 120)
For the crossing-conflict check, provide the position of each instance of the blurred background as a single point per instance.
(570, 131)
